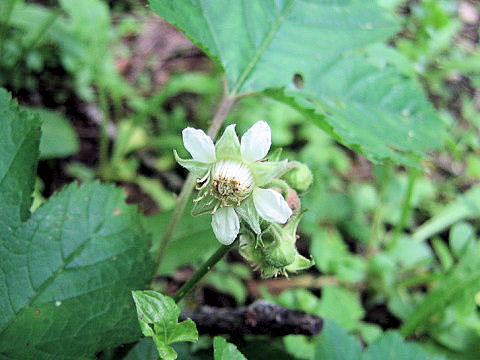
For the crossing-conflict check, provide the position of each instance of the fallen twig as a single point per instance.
(259, 318)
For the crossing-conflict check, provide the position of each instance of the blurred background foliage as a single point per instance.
(394, 248)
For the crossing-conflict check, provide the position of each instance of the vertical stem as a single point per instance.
(4, 24)
(188, 185)
(406, 207)
(202, 271)
(103, 146)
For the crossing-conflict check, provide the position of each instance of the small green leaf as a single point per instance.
(228, 146)
(58, 135)
(158, 317)
(223, 350)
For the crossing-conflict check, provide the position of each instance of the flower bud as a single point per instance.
(300, 177)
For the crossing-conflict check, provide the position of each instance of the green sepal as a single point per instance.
(197, 168)
(300, 263)
(275, 155)
(248, 213)
(206, 202)
(265, 171)
(228, 146)
(158, 317)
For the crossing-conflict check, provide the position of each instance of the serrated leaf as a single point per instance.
(263, 44)
(158, 317)
(66, 276)
(367, 105)
(58, 135)
(19, 139)
(223, 350)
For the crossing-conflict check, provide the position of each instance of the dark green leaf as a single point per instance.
(334, 343)
(19, 139)
(158, 317)
(66, 276)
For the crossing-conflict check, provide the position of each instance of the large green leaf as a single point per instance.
(263, 44)
(158, 317)
(365, 104)
(19, 139)
(66, 276)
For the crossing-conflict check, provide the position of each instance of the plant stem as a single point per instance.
(4, 24)
(204, 269)
(406, 207)
(103, 146)
(188, 185)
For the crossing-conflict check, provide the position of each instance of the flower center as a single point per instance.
(231, 182)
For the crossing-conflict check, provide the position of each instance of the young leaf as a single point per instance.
(158, 317)
(19, 139)
(223, 350)
(66, 274)
(58, 135)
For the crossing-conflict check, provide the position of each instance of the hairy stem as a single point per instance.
(406, 207)
(189, 183)
(204, 269)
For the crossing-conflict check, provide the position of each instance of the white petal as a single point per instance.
(256, 142)
(271, 205)
(199, 145)
(225, 225)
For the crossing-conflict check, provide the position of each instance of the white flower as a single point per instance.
(230, 175)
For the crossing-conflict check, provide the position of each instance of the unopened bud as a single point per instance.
(300, 177)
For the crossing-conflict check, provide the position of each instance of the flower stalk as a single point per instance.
(202, 271)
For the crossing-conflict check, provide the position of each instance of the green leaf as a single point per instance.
(58, 135)
(334, 343)
(263, 44)
(223, 350)
(392, 346)
(366, 104)
(66, 276)
(145, 349)
(158, 317)
(19, 139)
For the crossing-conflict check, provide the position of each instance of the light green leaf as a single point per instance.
(158, 317)
(19, 139)
(58, 135)
(223, 350)
(367, 105)
(228, 146)
(66, 276)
